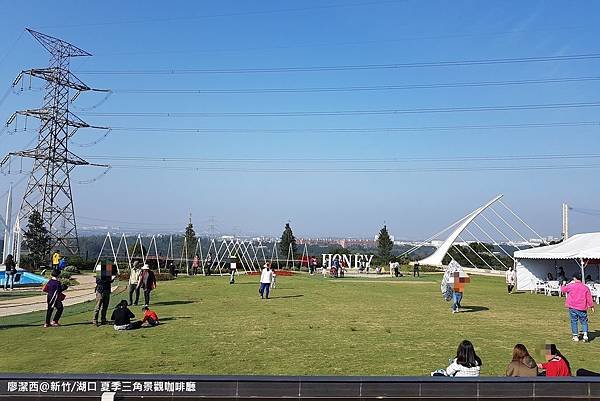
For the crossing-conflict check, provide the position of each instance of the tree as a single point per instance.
(287, 238)
(384, 245)
(37, 239)
(190, 238)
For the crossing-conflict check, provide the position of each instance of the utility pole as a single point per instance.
(565, 221)
(49, 187)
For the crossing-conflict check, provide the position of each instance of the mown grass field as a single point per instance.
(311, 326)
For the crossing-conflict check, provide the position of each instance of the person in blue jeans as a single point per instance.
(456, 298)
(266, 278)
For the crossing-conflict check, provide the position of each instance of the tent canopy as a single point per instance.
(579, 246)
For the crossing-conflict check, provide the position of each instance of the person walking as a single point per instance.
(147, 282)
(579, 300)
(232, 269)
(10, 272)
(417, 270)
(134, 278)
(207, 264)
(195, 264)
(104, 280)
(55, 259)
(54, 289)
(266, 277)
(511, 278)
(62, 263)
(313, 265)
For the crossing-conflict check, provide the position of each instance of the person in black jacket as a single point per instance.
(11, 271)
(147, 283)
(104, 280)
(122, 317)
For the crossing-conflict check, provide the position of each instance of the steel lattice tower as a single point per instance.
(49, 187)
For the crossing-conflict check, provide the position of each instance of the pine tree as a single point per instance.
(384, 245)
(287, 238)
(190, 238)
(37, 239)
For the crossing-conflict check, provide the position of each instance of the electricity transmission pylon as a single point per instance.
(49, 187)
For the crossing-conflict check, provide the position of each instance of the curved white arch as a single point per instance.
(436, 258)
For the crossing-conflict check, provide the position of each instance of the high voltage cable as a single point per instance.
(358, 88)
(425, 110)
(361, 170)
(353, 160)
(356, 130)
(451, 63)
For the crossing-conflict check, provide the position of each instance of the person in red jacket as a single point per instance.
(556, 364)
(150, 316)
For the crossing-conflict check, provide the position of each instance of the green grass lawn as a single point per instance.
(311, 326)
(8, 295)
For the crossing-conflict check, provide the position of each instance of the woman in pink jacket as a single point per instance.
(579, 300)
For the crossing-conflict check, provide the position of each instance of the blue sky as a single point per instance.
(254, 173)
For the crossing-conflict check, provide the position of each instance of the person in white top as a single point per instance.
(510, 279)
(266, 278)
(466, 363)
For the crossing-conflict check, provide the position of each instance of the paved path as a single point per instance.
(82, 292)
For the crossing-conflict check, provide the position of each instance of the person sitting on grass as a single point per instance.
(466, 363)
(150, 316)
(556, 364)
(122, 317)
(522, 364)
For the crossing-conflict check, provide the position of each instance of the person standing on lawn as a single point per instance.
(134, 278)
(54, 299)
(104, 280)
(10, 272)
(55, 259)
(266, 277)
(511, 278)
(579, 300)
(147, 282)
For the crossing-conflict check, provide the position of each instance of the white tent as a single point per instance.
(581, 253)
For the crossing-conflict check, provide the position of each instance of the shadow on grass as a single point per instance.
(467, 309)
(287, 296)
(592, 335)
(166, 303)
(167, 319)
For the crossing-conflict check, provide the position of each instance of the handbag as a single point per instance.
(61, 297)
(45, 288)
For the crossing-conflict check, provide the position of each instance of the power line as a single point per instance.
(374, 130)
(451, 63)
(399, 159)
(245, 169)
(424, 110)
(358, 88)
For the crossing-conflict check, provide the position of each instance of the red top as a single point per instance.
(556, 367)
(150, 314)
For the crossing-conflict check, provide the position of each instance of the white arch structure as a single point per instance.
(436, 258)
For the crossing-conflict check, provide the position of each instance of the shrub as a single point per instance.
(71, 269)
(65, 274)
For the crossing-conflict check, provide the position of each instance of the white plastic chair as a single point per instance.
(552, 286)
(539, 287)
